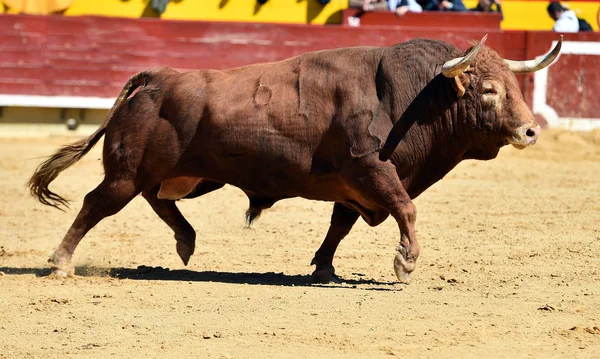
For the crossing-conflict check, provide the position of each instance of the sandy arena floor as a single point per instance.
(509, 268)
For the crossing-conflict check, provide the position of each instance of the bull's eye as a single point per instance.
(489, 91)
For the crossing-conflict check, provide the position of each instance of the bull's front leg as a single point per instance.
(408, 249)
(379, 183)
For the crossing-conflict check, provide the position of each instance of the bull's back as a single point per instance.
(271, 126)
(295, 100)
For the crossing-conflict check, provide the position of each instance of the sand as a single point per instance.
(509, 268)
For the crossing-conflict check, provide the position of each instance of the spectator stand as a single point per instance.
(433, 19)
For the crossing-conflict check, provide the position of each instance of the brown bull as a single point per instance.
(368, 128)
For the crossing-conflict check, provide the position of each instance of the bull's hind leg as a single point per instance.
(184, 233)
(107, 199)
(342, 220)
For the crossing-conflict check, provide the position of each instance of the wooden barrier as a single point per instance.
(86, 60)
(94, 56)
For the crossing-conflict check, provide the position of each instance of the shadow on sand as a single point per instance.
(160, 273)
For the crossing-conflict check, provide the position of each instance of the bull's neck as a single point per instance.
(429, 150)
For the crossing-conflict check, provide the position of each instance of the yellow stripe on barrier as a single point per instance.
(116, 8)
(282, 11)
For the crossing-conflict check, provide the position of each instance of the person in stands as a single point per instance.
(565, 20)
(368, 5)
(401, 7)
(487, 6)
(445, 5)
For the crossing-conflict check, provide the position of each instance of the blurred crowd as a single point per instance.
(566, 20)
(401, 7)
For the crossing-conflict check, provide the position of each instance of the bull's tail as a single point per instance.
(68, 155)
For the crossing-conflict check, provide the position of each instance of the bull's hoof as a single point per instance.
(184, 251)
(324, 276)
(403, 277)
(61, 273)
(403, 267)
(60, 268)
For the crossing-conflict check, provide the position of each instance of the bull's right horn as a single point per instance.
(458, 65)
(523, 67)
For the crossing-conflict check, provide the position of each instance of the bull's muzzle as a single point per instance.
(526, 135)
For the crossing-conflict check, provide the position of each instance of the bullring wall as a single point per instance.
(518, 14)
(94, 56)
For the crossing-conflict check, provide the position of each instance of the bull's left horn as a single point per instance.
(458, 65)
(523, 67)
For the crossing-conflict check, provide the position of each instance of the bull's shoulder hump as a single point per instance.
(339, 54)
(330, 54)
(423, 49)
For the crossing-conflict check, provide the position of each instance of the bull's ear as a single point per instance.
(460, 83)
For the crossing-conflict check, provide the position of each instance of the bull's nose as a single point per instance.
(532, 134)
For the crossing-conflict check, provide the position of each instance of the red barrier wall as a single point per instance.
(94, 56)
(573, 82)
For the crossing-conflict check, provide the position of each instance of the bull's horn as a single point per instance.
(523, 67)
(458, 65)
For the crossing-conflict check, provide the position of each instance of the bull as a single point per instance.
(368, 128)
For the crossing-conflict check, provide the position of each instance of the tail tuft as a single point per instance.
(48, 170)
(252, 214)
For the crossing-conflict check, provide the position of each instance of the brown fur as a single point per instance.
(310, 126)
